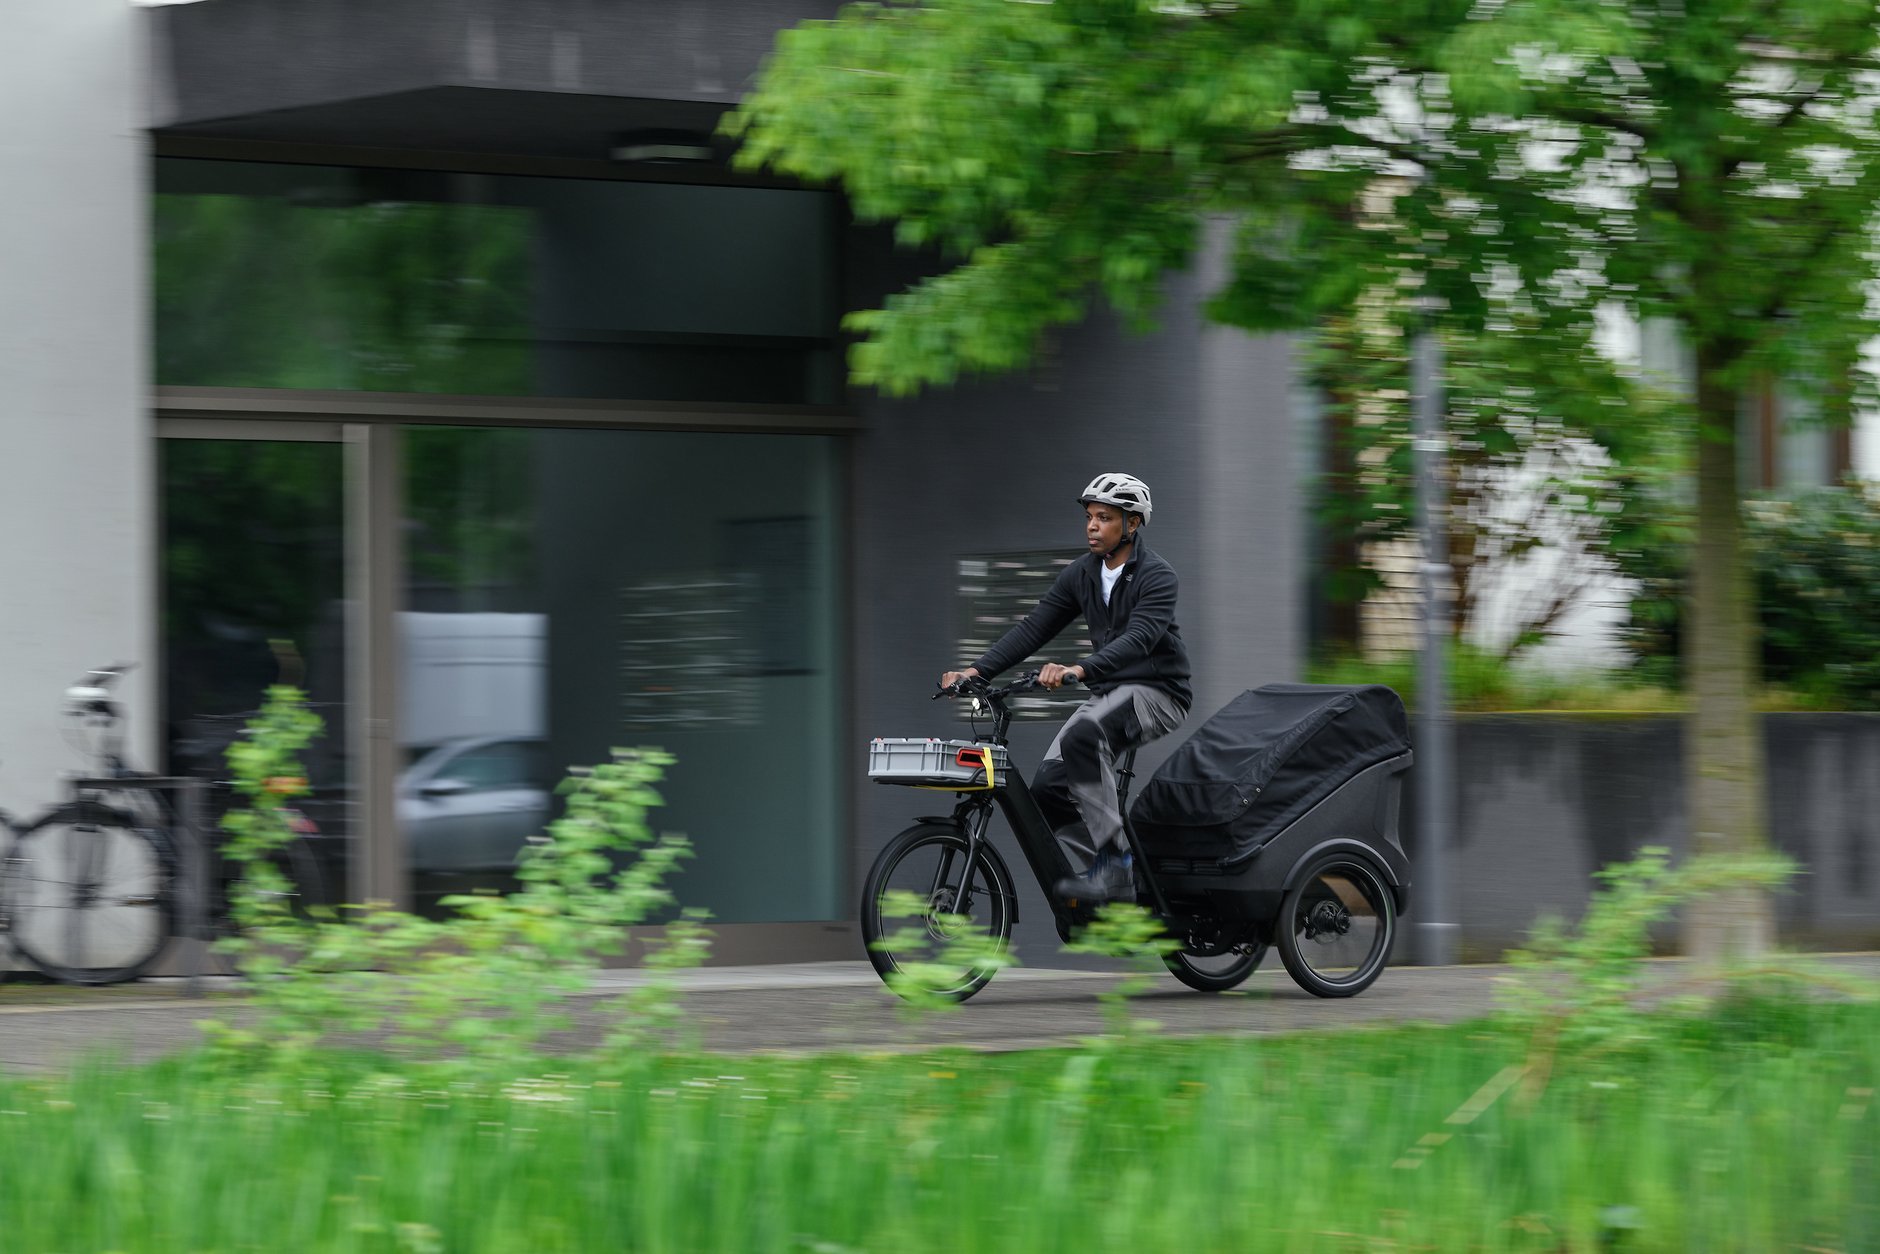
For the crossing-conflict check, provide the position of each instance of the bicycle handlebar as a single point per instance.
(977, 685)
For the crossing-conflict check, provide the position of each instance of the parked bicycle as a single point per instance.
(87, 890)
(1275, 825)
(90, 887)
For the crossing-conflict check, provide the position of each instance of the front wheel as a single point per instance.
(88, 896)
(1336, 926)
(934, 926)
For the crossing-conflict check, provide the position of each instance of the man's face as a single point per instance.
(1104, 526)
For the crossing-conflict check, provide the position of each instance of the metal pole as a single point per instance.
(1436, 929)
(195, 842)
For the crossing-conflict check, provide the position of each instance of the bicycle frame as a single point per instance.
(1036, 839)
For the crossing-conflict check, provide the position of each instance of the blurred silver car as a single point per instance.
(471, 804)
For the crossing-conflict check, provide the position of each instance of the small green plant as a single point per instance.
(482, 987)
(1124, 929)
(265, 766)
(1583, 992)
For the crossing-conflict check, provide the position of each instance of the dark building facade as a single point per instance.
(424, 387)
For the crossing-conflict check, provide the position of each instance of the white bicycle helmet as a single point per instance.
(1126, 492)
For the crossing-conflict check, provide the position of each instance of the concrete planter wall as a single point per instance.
(1544, 800)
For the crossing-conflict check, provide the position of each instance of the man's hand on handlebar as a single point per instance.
(958, 683)
(1051, 675)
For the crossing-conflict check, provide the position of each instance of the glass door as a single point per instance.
(252, 573)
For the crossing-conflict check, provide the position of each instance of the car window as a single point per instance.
(504, 765)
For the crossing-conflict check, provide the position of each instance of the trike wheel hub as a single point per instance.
(1327, 921)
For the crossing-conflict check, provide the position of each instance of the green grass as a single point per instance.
(1753, 1135)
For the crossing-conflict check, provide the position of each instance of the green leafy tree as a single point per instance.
(1707, 165)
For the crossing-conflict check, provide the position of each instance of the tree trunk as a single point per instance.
(1723, 742)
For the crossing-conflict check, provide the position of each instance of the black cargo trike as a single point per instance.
(1274, 824)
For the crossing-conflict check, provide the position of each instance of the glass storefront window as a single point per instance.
(570, 591)
(331, 277)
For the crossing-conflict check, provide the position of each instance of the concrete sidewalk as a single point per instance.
(813, 1007)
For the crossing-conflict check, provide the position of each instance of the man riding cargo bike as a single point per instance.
(1274, 824)
(1138, 676)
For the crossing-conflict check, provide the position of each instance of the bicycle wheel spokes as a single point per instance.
(89, 902)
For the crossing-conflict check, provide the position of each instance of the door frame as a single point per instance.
(369, 483)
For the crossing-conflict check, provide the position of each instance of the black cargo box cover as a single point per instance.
(1266, 758)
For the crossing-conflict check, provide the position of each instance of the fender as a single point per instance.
(1344, 844)
(92, 812)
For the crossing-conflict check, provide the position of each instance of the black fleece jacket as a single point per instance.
(1136, 639)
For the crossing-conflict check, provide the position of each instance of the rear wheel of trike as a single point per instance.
(934, 928)
(1336, 926)
(1211, 971)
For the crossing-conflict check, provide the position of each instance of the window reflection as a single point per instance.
(300, 276)
(574, 591)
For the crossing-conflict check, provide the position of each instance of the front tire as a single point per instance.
(1336, 925)
(928, 862)
(89, 896)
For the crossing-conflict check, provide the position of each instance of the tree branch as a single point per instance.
(1781, 124)
(1824, 239)
(1587, 116)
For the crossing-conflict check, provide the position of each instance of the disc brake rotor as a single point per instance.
(943, 921)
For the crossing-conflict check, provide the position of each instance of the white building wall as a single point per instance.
(1865, 453)
(76, 545)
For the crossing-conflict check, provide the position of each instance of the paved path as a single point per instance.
(822, 1006)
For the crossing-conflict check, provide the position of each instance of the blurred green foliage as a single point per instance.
(1534, 158)
(1814, 557)
(1484, 681)
(473, 994)
(1580, 995)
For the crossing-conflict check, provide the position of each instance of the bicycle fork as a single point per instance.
(960, 898)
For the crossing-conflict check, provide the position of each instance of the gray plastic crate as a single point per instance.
(905, 760)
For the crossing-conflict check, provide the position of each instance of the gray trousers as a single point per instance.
(1077, 778)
